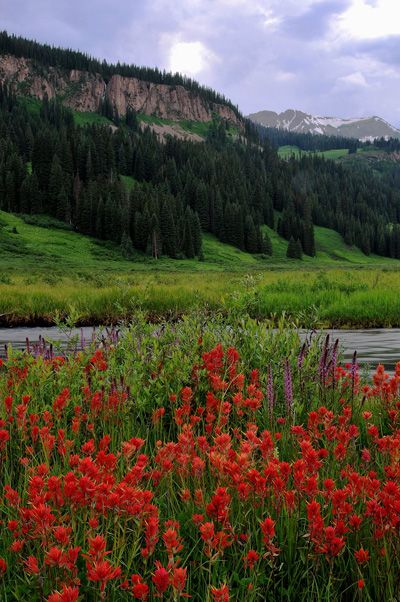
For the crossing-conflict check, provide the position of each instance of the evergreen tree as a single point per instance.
(266, 247)
(126, 246)
(54, 187)
(168, 230)
(294, 250)
(187, 243)
(251, 242)
(308, 242)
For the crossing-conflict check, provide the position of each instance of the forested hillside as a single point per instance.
(52, 56)
(119, 182)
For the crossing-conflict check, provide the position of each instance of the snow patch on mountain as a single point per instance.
(363, 128)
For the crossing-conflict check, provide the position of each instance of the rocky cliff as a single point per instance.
(83, 91)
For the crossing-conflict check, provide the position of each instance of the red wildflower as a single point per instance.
(32, 567)
(251, 558)
(361, 556)
(172, 541)
(220, 594)
(102, 571)
(67, 594)
(160, 579)
(140, 590)
(178, 579)
(3, 566)
(17, 546)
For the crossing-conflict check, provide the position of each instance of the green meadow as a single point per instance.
(48, 272)
(285, 152)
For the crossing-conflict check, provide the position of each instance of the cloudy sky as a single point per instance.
(325, 57)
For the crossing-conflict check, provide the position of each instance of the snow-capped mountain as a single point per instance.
(363, 128)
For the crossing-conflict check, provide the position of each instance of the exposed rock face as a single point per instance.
(83, 91)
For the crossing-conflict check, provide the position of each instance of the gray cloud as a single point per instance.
(268, 54)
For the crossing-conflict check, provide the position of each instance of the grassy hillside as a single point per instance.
(287, 151)
(331, 251)
(57, 249)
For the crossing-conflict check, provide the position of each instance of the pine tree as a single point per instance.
(294, 250)
(250, 235)
(126, 246)
(168, 230)
(266, 244)
(187, 243)
(196, 234)
(153, 243)
(63, 211)
(308, 242)
(54, 187)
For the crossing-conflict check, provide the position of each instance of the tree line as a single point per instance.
(307, 141)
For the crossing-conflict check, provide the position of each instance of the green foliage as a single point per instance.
(45, 221)
(294, 250)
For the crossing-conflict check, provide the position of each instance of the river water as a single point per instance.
(373, 346)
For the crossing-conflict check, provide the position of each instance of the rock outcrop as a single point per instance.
(84, 91)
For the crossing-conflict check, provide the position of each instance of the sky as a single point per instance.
(325, 57)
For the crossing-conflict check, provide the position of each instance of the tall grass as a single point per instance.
(341, 298)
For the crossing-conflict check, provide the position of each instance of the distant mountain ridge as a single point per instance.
(363, 128)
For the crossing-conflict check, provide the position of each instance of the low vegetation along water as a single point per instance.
(211, 458)
(373, 346)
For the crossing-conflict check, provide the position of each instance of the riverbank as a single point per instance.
(335, 298)
(373, 346)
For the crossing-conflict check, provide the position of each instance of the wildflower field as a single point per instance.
(210, 459)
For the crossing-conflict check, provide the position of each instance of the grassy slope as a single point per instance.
(56, 250)
(53, 249)
(87, 118)
(331, 251)
(287, 151)
(194, 127)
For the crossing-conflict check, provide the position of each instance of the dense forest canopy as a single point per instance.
(52, 56)
(231, 188)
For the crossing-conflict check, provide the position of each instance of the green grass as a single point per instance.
(331, 251)
(45, 270)
(200, 128)
(32, 104)
(193, 127)
(285, 152)
(142, 117)
(86, 118)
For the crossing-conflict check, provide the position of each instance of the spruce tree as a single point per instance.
(196, 234)
(54, 187)
(294, 250)
(187, 243)
(266, 244)
(168, 230)
(126, 246)
(308, 242)
(250, 235)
